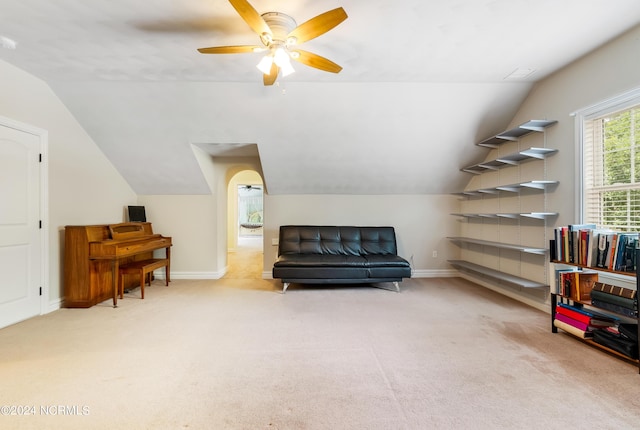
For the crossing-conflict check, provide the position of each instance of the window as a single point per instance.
(611, 164)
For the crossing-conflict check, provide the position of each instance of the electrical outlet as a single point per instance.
(435, 254)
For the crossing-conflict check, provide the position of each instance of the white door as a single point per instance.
(20, 248)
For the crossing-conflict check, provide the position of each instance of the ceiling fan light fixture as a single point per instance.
(283, 61)
(278, 33)
(287, 69)
(280, 57)
(265, 64)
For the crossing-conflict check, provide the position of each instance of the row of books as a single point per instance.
(586, 245)
(583, 286)
(580, 322)
(601, 328)
(575, 284)
(623, 301)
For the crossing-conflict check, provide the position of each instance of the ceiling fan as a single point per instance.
(251, 187)
(280, 35)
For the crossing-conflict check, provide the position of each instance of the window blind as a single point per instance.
(611, 157)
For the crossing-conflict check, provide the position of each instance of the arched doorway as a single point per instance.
(244, 226)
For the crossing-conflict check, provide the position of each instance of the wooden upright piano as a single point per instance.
(93, 254)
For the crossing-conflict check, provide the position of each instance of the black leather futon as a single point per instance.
(338, 255)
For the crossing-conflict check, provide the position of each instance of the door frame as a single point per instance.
(43, 136)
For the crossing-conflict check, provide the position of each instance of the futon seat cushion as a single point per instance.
(320, 260)
(386, 261)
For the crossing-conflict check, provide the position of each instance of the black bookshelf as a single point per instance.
(557, 298)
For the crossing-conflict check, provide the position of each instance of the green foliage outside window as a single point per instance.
(621, 165)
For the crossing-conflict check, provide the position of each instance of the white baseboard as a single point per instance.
(159, 274)
(53, 306)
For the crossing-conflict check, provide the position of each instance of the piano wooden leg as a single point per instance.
(167, 269)
(114, 275)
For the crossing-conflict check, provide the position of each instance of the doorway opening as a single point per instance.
(250, 211)
(245, 226)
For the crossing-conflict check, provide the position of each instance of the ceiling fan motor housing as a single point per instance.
(281, 25)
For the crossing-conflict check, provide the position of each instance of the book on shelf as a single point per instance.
(632, 313)
(575, 284)
(628, 260)
(615, 290)
(574, 323)
(614, 299)
(629, 330)
(578, 234)
(584, 282)
(586, 245)
(589, 317)
(616, 342)
(571, 329)
(572, 313)
(558, 279)
(563, 278)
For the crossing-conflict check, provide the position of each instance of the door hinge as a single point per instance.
(40, 290)
(40, 158)
(40, 224)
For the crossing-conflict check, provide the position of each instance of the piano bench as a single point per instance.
(143, 268)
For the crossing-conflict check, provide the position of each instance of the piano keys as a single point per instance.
(93, 254)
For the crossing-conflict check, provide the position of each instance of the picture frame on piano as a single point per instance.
(137, 214)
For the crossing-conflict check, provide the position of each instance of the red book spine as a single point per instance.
(573, 314)
(577, 324)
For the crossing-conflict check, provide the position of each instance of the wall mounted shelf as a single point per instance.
(500, 245)
(536, 215)
(510, 160)
(490, 224)
(496, 275)
(513, 188)
(511, 135)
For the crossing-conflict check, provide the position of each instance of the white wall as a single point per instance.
(607, 72)
(422, 222)
(198, 223)
(604, 73)
(83, 186)
(190, 221)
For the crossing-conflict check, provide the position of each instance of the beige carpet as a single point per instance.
(237, 354)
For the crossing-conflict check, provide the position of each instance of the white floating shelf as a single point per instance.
(510, 160)
(513, 188)
(516, 133)
(500, 245)
(536, 215)
(496, 275)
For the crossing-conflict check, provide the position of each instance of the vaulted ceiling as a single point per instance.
(421, 81)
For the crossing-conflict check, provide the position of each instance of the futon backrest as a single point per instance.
(336, 240)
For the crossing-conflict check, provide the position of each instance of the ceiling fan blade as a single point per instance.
(239, 49)
(251, 16)
(272, 76)
(319, 25)
(314, 60)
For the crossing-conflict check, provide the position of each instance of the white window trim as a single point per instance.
(619, 102)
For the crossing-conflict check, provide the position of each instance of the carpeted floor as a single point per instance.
(237, 354)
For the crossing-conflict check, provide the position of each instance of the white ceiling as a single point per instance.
(421, 81)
